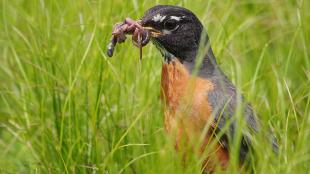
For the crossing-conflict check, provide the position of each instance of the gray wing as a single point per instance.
(224, 101)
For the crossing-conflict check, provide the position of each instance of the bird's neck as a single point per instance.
(199, 60)
(204, 66)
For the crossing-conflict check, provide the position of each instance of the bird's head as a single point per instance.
(175, 30)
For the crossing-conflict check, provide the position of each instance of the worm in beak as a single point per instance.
(141, 36)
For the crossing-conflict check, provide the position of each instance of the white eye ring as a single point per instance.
(170, 25)
(177, 18)
(165, 31)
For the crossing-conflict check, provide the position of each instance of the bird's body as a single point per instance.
(188, 110)
(199, 100)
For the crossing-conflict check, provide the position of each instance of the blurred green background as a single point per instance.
(65, 107)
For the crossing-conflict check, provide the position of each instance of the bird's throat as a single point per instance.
(204, 68)
(189, 60)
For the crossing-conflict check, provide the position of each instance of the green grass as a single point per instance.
(65, 107)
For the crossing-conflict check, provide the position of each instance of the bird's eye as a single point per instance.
(171, 24)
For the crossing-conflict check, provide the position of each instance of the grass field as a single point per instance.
(65, 107)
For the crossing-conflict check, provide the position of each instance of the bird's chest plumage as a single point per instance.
(185, 97)
(188, 111)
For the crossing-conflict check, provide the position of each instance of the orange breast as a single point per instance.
(187, 110)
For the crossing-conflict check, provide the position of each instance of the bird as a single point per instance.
(199, 99)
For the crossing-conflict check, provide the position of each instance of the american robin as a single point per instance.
(200, 101)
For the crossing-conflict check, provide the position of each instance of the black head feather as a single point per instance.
(180, 27)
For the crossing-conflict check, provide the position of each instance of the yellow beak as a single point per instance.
(154, 33)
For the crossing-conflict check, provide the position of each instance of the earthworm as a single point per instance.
(140, 36)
